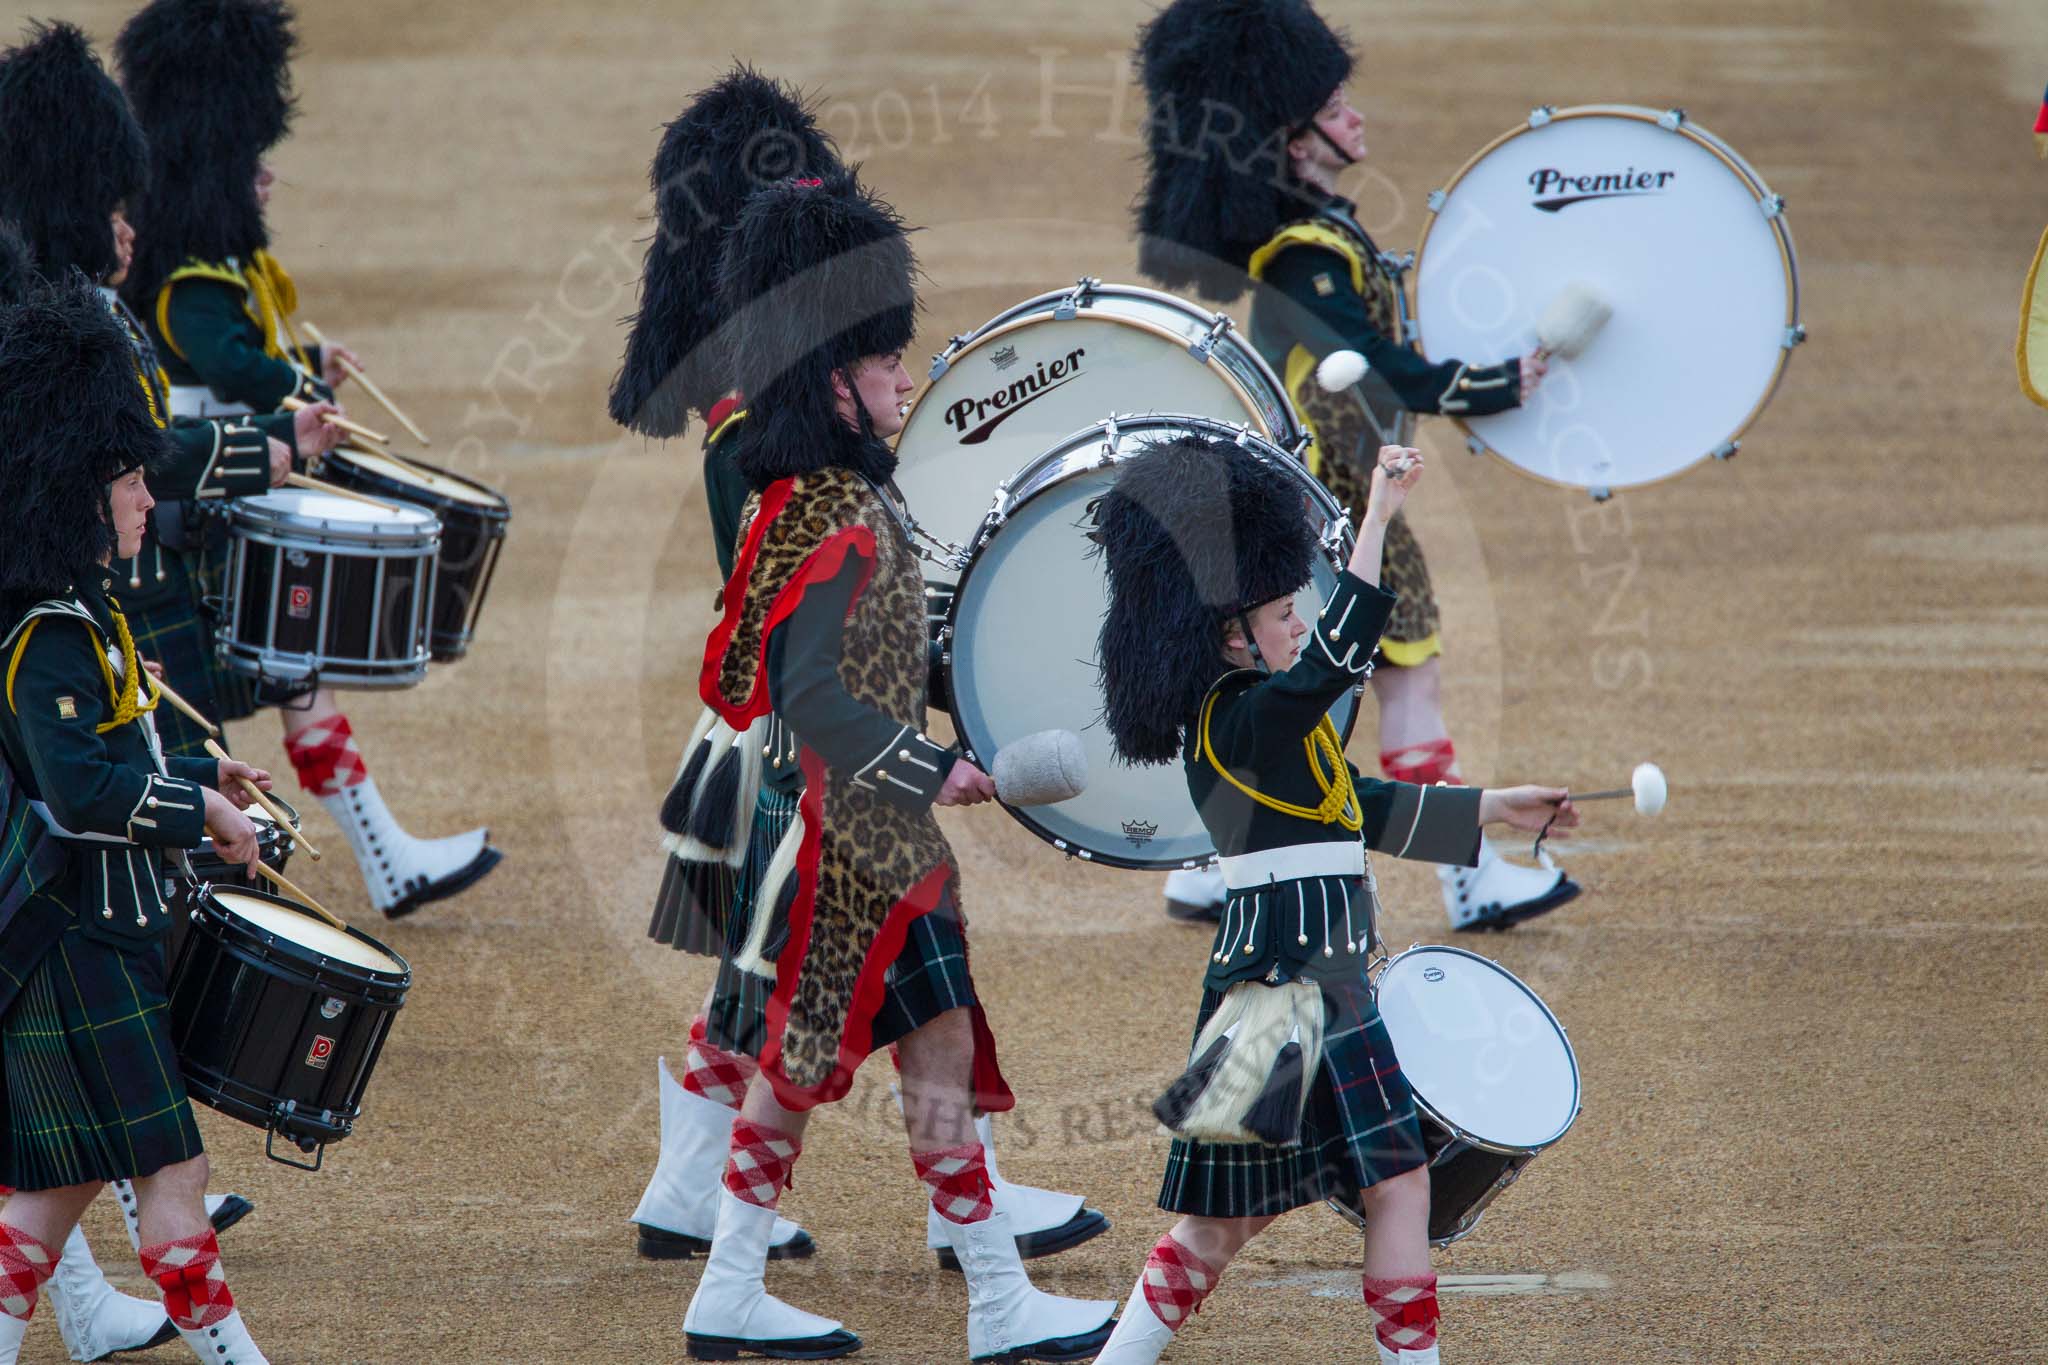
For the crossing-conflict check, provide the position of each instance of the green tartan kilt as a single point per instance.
(1358, 1129)
(709, 911)
(93, 1091)
(928, 978)
(171, 629)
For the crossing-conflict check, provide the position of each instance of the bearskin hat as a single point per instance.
(69, 151)
(17, 267)
(1227, 83)
(735, 137)
(210, 81)
(75, 420)
(815, 276)
(1193, 532)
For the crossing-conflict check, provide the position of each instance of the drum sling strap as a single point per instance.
(1300, 368)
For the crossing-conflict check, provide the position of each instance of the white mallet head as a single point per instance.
(1648, 781)
(1339, 370)
(1572, 320)
(1041, 769)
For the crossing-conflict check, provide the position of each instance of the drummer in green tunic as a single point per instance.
(75, 159)
(92, 1090)
(1250, 129)
(210, 83)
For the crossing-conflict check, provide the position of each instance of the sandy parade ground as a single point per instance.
(1805, 1002)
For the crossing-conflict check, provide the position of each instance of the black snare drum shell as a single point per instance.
(259, 1021)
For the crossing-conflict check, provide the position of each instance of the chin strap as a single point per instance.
(1251, 643)
(1331, 143)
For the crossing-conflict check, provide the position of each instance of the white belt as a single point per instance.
(1338, 858)
(197, 400)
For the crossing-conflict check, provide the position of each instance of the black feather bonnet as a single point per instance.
(1227, 84)
(1193, 532)
(210, 81)
(70, 152)
(816, 276)
(75, 420)
(737, 136)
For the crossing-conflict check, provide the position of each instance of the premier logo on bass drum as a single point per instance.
(1565, 189)
(1013, 397)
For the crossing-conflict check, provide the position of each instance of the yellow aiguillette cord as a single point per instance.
(1325, 764)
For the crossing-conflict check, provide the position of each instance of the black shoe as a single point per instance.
(166, 1333)
(1191, 912)
(831, 1346)
(1086, 1224)
(453, 884)
(1084, 1347)
(659, 1244)
(1501, 918)
(233, 1209)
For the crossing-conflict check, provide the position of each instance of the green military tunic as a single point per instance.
(1325, 286)
(92, 1087)
(225, 326)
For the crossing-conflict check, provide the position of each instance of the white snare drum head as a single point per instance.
(1480, 1051)
(1668, 227)
(1027, 379)
(288, 507)
(316, 935)
(1025, 624)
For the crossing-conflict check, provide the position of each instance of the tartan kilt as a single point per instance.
(928, 978)
(716, 925)
(170, 629)
(1358, 1129)
(1348, 447)
(93, 1091)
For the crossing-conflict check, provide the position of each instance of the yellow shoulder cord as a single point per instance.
(727, 425)
(194, 270)
(127, 703)
(279, 298)
(148, 392)
(1310, 234)
(14, 664)
(1340, 798)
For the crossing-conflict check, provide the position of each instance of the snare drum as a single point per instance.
(278, 1018)
(1679, 236)
(1494, 1077)
(274, 845)
(328, 590)
(1021, 636)
(473, 522)
(1051, 365)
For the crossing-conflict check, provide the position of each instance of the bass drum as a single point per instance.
(1674, 232)
(1495, 1080)
(1020, 639)
(1033, 374)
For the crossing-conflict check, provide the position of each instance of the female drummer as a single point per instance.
(1260, 204)
(211, 85)
(93, 1091)
(1204, 661)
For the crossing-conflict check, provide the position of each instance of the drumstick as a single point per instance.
(294, 403)
(164, 690)
(276, 812)
(322, 486)
(395, 458)
(283, 883)
(353, 372)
